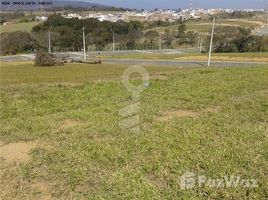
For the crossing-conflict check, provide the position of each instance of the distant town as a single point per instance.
(162, 15)
(146, 15)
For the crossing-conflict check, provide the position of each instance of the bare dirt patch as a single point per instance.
(12, 183)
(263, 92)
(158, 77)
(169, 115)
(17, 152)
(1, 143)
(42, 190)
(69, 124)
(211, 109)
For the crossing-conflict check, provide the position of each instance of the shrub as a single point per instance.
(45, 59)
(16, 42)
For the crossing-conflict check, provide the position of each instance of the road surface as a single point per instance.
(178, 63)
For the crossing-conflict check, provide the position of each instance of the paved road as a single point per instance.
(176, 63)
(92, 54)
(22, 57)
(181, 63)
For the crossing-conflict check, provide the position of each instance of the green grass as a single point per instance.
(246, 57)
(98, 160)
(27, 26)
(16, 73)
(206, 26)
(190, 26)
(240, 22)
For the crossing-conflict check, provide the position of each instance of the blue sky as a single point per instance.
(151, 4)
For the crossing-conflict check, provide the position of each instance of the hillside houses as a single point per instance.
(162, 15)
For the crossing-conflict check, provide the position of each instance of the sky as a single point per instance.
(175, 4)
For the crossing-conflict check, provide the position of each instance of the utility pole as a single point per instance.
(201, 44)
(191, 5)
(113, 41)
(266, 13)
(41, 8)
(211, 42)
(84, 44)
(49, 40)
(160, 42)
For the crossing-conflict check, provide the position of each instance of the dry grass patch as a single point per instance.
(211, 110)
(169, 115)
(263, 92)
(68, 123)
(159, 77)
(15, 186)
(224, 58)
(42, 190)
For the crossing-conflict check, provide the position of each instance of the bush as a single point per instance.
(45, 59)
(17, 42)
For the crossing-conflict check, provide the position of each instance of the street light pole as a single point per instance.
(84, 44)
(160, 42)
(49, 40)
(113, 41)
(211, 42)
(201, 44)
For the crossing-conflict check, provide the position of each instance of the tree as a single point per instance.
(135, 25)
(224, 39)
(243, 39)
(130, 44)
(17, 42)
(132, 37)
(191, 37)
(181, 29)
(151, 36)
(101, 32)
(236, 39)
(260, 44)
(167, 38)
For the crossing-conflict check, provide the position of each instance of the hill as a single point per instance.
(22, 5)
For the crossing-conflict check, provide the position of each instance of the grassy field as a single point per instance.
(209, 121)
(15, 73)
(27, 26)
(199, 27)
(245, 57)
(206, 26)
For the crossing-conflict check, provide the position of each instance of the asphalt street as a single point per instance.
(175, 63)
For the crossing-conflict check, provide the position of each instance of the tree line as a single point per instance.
(236, 39)
(67, 34)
